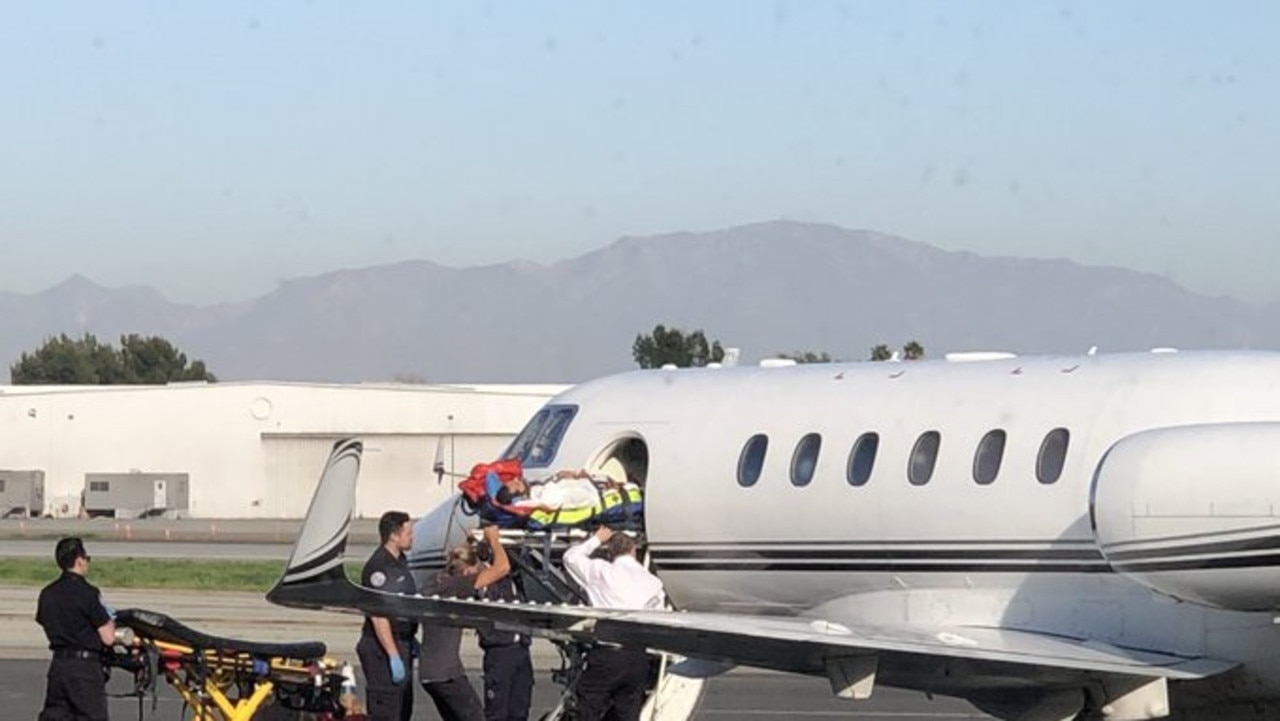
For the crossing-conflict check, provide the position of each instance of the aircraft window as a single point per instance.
(519, 448)
(752, 460)
(986, 462)
(862, 459)
(924, 456)
(1053, 454)
(805, 459)
(537, 444)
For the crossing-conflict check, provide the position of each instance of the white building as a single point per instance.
(248, 450)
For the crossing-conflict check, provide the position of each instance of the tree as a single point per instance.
(87, 361)
(673, 346)
(155, 360)
(808, 356)
(911, 351)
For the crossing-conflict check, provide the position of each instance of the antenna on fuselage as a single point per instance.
(437, 466)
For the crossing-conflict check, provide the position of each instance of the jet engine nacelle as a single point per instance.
(1194, 512)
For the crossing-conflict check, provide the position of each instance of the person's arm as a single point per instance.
(578, 561)
(102, 617)
(382, 629)
(107, 633)
(501, 565)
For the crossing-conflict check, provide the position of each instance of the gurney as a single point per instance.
(620, 505)
(224, 679)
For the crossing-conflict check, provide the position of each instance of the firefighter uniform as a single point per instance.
(70, 610)
(508, 668)
(386, 700)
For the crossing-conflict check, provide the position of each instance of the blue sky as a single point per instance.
(213, 149)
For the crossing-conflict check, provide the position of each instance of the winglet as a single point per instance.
(318, 553)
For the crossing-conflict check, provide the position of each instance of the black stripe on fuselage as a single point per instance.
(1270, 560)
(960, 557)
(1213, 548)
(886, 556)
(885, 567)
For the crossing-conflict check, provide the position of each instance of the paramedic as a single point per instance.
(508, 668)
(79, 629)
(614, 677)
(386, 643)
(440, 670)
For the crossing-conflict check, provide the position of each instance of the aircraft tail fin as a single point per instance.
(322, 542)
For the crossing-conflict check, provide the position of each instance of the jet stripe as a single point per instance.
(1265, 543)
(888, 555)
(1202, 564)
(886, 566)
(1193, 536)
(856, 544)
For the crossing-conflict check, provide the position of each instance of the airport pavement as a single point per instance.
(739, 694)
(744, 694)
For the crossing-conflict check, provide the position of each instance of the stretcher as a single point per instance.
(551, 503)
(222, 679)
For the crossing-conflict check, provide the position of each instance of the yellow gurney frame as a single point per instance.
(223, 679)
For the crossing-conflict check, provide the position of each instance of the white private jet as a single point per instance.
(1093, 537)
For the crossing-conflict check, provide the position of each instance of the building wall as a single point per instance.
(255, 450)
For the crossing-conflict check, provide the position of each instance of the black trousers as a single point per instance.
(615, 678)
(508, 683)
(455, 699)
(385, 700)
(75, 690)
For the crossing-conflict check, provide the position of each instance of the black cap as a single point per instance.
(67, 551)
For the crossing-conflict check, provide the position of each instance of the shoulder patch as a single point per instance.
(378, 579)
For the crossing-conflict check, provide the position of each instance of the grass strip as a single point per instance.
(166, 573)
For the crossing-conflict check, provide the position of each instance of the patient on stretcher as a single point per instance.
(568, 498)
(566, 489)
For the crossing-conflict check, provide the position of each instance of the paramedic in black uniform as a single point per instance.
(508, 667)
(79, 628)
(615, 678)
(385, 643)
(443, 677)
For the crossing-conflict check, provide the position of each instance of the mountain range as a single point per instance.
(766, 288)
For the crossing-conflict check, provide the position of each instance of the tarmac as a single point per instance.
(742, 693)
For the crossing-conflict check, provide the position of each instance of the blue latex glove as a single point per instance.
(397, 670)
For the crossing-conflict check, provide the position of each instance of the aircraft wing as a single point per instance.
(315, 579)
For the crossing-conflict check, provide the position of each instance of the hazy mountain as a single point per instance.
(767, 288)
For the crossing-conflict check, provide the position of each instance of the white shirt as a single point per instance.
(623, 584)
(567, 492)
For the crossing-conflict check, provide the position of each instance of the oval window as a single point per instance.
(986, 462)
(752, 460)
(1053, 454)
(862, 459)
(805, 460)
(924, 456)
